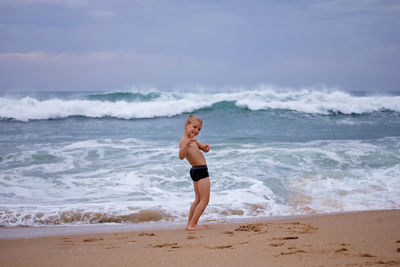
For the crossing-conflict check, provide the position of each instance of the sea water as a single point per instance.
(86, 158)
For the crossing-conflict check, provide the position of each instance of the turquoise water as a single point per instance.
(112, 157)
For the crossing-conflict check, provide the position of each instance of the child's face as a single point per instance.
(193, 128)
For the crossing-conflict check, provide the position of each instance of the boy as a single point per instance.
(189, 148)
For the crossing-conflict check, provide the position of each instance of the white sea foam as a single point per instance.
(129, 181)
(170, 104)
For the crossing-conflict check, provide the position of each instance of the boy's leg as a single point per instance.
(195, 202)
(203, 186)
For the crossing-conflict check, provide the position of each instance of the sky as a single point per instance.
(86, 45)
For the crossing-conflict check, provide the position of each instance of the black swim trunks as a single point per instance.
(199, 172)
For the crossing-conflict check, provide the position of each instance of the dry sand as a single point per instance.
(370, 238)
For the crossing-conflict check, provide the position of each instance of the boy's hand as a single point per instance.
(191, 140)
(206, 147)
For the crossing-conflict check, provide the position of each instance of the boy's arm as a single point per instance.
(205, 147)
(182, 151)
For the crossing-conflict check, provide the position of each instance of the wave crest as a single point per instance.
(128, 105)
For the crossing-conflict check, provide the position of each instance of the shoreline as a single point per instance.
(360, 238)
(28, 232)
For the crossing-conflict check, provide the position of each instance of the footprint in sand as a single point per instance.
(367, 255)
(384, 262)
(146, 234)
(342, 249)
(66, 240)
(92, 239)
(121, 237)
(285, 238)
(249, 227)
(301, 228)
(276, 244)
(111, 247)
(221, 247)
(294, 252)
(172, 245)
(228, 233)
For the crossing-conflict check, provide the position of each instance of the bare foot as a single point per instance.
(194, 227)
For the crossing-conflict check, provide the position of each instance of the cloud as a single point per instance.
(104, 69)
(350, 43)
(60, 58)
(102, 13)
(24, 3)
(357, 6)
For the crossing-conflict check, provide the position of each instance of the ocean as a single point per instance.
(92, 158)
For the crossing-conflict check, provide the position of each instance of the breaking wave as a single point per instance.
(137, 105)
(17, 217)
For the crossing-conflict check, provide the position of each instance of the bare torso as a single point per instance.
(193, 155)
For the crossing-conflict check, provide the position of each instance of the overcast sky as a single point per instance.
(110, 45)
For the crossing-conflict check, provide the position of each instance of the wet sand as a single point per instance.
(370, 238)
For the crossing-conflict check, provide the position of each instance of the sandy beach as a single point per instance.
(370, 238)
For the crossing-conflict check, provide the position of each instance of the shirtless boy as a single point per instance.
(189, 148)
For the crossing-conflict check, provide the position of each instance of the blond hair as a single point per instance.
(192, 118)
